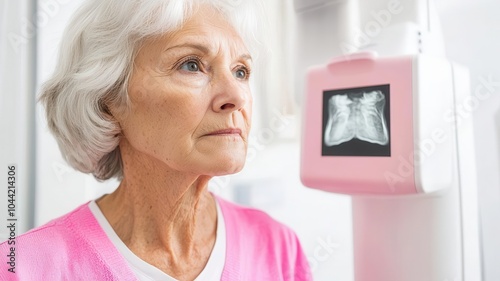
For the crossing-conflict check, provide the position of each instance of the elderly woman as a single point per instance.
(156, 93)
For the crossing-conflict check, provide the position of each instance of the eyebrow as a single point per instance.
(203, 49)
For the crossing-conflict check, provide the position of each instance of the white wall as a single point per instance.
(471, 30)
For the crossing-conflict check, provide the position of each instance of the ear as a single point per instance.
(111, 114)
(105, 110)
(113, 106)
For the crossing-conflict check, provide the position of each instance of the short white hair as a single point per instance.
(95, 63)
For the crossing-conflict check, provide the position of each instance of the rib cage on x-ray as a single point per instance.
(356, 116)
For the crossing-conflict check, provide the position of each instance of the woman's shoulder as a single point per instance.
(49, 233)
(257, 240)
(48, 240)
(55, 250)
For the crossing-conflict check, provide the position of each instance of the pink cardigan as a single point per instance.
(74, 247)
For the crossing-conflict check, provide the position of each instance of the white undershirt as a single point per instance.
(146, 272)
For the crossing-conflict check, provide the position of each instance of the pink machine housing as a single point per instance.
(418, 116)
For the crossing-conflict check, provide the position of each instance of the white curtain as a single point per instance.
(17, 69)
(275, 95)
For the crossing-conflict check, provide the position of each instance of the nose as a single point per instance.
(231, 94)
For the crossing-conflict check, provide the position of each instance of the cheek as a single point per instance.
(162, 119)
(247, 114)
(166, 99)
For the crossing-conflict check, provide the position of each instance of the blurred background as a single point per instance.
(30, 33)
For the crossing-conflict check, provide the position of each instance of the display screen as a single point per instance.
(356, 122)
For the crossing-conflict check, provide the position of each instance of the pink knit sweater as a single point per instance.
(74, 247)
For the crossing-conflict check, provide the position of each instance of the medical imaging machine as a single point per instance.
(379, 124)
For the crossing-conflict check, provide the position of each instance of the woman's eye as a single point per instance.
(241, 74)
(191, 66)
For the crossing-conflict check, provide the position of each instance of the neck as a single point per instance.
(163, 211)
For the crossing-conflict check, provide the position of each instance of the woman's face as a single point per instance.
(190, 98)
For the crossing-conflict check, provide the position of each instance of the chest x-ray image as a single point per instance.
(356, 122)
(356, 116)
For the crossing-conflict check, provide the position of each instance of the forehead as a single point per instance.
(206, 24)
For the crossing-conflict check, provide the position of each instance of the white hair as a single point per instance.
(96, 60)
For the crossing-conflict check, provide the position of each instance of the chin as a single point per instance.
(221, 166)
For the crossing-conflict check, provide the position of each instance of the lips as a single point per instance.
(229, 131)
